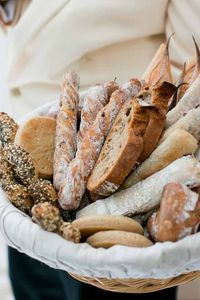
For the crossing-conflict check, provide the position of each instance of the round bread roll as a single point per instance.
(107, 239)
(90, 225)
(36, 136)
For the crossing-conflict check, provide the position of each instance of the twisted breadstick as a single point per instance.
(96, 98)
(66, 129)
(71, 192)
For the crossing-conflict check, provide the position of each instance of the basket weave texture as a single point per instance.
(137, 286)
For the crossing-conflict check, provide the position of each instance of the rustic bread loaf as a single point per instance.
(121, 149)
(175, 219)
(178, 144)
(37, 136)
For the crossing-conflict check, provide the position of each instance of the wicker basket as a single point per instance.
(137, 286)
(138, 271)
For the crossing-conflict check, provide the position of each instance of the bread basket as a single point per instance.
(119, 269)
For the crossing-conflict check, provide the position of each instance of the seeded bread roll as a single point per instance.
(66, 129)
(90, 225)
(47, 216)
(6, 173)
(159, 97)
(8, 129)
(146, 195)
(107, 239)
(42, 191)
(70, 233)
(176, 217)
(178, 144)
(37, 136)
(19, 196)
(121, 149)
(73, 189)
(21, 163)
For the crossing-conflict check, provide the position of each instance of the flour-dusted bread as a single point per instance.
(107, 239)
(79, 170)
(178, 144)
(190, 100)
(121, 149)
(66, 128)
(146, 194)
(190, 123)
(158, 96)
(37, 136)
(176, 217)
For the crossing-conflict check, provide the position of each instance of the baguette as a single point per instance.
(72, 190)
(190, 100)
(146, 194)
(121, 149)
(159, 97)
(178, 144)
(66, 129)
(175, 219)
(190, 123)
(94, 101)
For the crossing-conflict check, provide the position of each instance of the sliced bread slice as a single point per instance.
(121, 149)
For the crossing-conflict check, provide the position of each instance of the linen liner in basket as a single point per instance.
(160, 261)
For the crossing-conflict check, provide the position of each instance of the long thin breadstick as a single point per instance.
(66, 129)
(71, 192)
(146, 194)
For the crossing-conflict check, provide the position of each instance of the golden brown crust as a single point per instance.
(37, 136)
(107, 239)
(176, 217)
(90, 225)
(119, 155)
(159, 97)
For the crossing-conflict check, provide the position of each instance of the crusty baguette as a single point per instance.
(159, 69)
(173, 220)
(146, 194)
(37, 136)
(66, 128)
(94, 101)
(159, 97)
(109, 238)
(87, 154)
(178, 144)
(190, 100)
(121, 149)
(190, 123)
